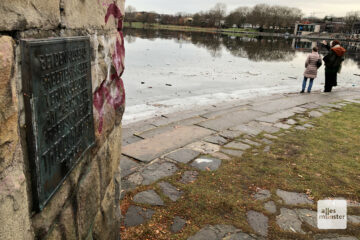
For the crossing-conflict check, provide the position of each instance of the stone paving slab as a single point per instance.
(230, 134)
(170, 191)
(293, 198)
(354, 219)
(180, 118)
(230, 120)
(282, 126)
(248, 141)
(269, 136)
(136, 216)
(215, 139)
(275, 117)
(270, 207)
(246, 129)
(151, 148)
(129, 140)
(308, 216)
(231, 152)
(336, 237)
(156, 171)
(221, 156)
(206, 164)
(262, 194)
(291, 122)
(148, 197)
(214, 232)
(178, 224)
(265, 127)
(280, 104)
(258, 222)
(130, 130)
(165, 128)
(183, 155)
(155, 131)
(203, 147)
(310, 105)
(214, 114)
(288, 221)
(189, 177)
(237, 145)
(127, 166)
(315, 114)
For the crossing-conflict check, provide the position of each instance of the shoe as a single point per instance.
(309, 91)
(302, 91)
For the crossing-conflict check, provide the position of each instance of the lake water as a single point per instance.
(168, 71)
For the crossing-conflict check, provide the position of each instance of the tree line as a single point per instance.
(261, 15)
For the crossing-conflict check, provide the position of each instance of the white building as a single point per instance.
(306, 28)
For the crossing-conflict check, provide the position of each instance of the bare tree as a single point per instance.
(237, 17)
(130, 14)
(350, 20)
(218, 13)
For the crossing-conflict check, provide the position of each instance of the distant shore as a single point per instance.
(235, 31)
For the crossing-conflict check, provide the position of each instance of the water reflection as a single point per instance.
(254, 48)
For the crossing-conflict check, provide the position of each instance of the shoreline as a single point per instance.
(234, 32)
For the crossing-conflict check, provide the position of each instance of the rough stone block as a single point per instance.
(108, 124)
(88, 199)
(88, 14)
(42, 221)
(9, 140)
(108, 218)
(55, 234)
(21, 14)
(14, 215)
(105, 168)
(67, 222)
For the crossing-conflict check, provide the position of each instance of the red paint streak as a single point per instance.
(103, 93)
(115, 11)
(118, 57)
(99, 101)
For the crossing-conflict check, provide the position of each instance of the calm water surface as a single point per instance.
(170, 71)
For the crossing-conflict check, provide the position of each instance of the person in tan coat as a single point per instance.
(311, 66)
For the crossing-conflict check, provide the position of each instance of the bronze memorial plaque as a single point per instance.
(56, 76)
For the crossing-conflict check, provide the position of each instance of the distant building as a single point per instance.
(333, 25)
(303, 44)
(356, 28)
(306, 28)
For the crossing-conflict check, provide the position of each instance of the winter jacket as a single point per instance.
(334, 58)
(311, 65)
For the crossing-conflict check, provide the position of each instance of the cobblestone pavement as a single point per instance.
(152, 150)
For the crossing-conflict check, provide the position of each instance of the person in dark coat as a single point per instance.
(333, 61)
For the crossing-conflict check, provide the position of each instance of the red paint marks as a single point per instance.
(112, 92)
(118, 57)
(99, 102)
(115, 11)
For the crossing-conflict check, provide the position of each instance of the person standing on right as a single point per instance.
(333, 61)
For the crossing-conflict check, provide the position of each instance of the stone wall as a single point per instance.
(87, 204)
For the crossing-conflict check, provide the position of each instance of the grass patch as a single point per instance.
(323, 162)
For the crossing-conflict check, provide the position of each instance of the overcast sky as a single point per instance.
(319, 8)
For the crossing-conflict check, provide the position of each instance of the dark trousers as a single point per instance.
(330, 80)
